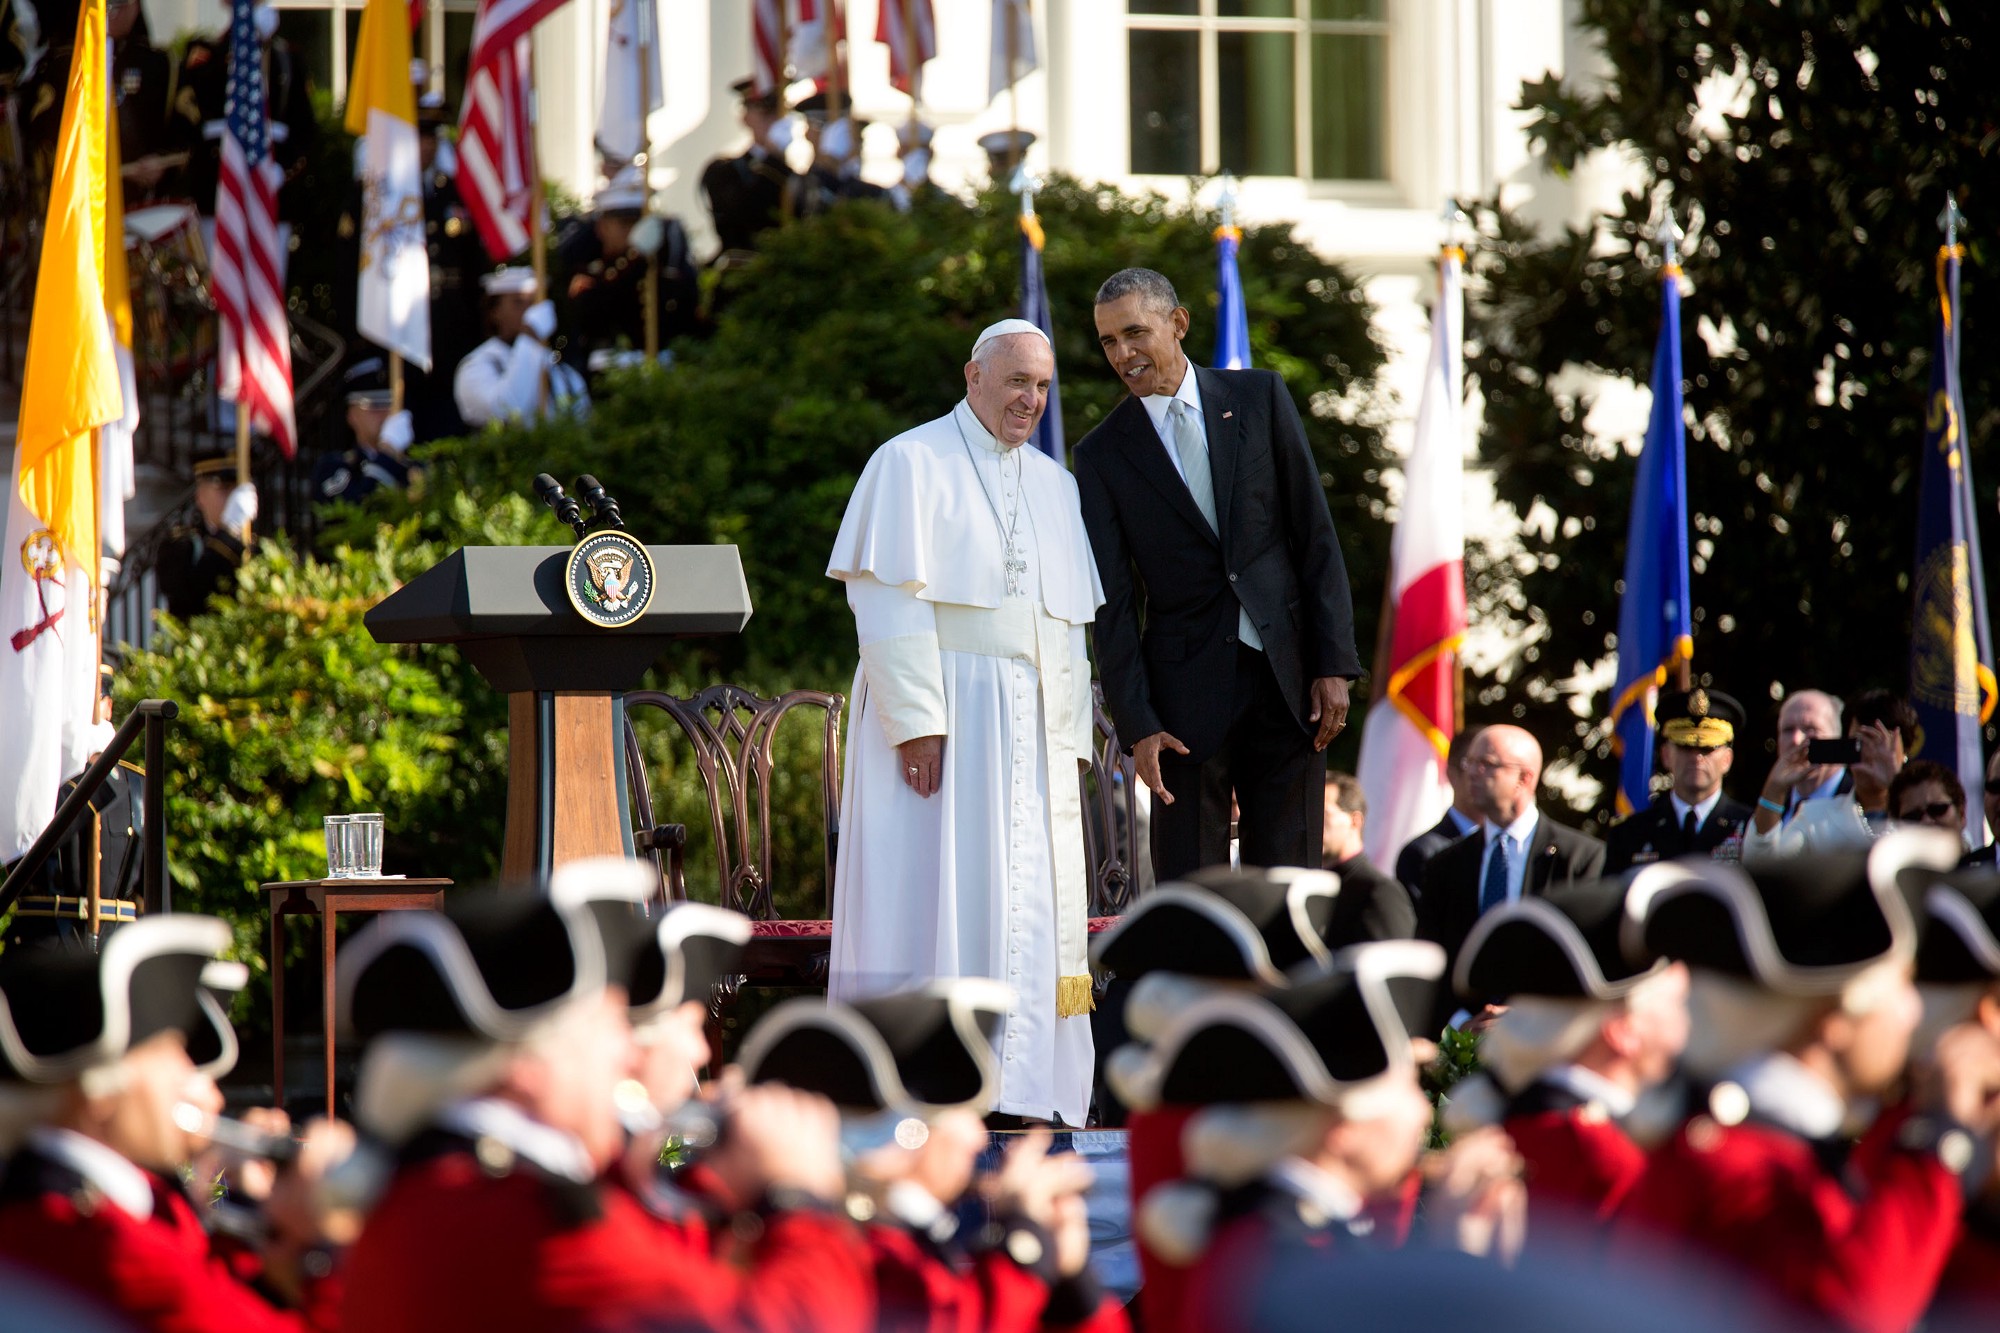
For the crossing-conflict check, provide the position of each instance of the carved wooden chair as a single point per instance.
(732, 733)
(1111, 821)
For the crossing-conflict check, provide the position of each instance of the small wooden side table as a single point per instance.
(327, 899)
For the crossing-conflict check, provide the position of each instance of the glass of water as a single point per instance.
(365, 838)
(339, 856)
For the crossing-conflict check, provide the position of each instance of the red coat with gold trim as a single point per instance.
(1865, 1251)
(923, 1286)
(161, 1273)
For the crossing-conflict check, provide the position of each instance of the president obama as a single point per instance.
(1209, 525)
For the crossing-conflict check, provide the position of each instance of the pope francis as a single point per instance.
(961, 851)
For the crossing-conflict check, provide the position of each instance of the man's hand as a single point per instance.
(1879, 760)
(1329, 698)
(1146, 753)
(1476, 1203)
(774, 1137)
(1963, 1080)
(923, 764)
(145, 172)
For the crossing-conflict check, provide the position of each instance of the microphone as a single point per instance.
(551, 493)
(602, 505)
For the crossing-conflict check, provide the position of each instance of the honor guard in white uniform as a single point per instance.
(516, 373)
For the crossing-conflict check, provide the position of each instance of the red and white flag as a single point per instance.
(254, 370)
(1414, 714)
(819, 43)
(767, 46)
(909, 30)
(496, 152)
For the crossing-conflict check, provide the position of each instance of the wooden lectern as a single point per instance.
(565, 679)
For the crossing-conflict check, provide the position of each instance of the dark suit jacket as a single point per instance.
(1277, 556)
(1418, 851)
(1450, 902)
(1371, 906)
(1653, 834)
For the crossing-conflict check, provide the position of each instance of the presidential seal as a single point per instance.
(609, 578)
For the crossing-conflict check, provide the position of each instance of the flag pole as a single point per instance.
(243, 458)
(538, 244)
(651, 289)
(836, 86)
(1669, 236)
(395, 381)
(1454, 218)
(1013, 85)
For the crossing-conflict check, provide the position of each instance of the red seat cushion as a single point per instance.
(824, 929)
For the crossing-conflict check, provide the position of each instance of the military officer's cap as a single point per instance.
(1006, 149)
(216, 465)
(1564, 944)
(1962, 940)
(1703, 718)
(623, 193)
(367, 384)
(814, 108)
(512, 280)
(65, 1012)
(1802, 925)
(746, 89)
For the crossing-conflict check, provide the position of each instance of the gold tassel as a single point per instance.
(1074, 996)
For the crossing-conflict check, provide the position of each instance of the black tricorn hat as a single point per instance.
(665, 956)
(63, 1012)
(1326, 1036)
(1801, 925)
(212, 1044)
(1230, 925)
(1562, 944)
(492, 964)
(1962, 940)
(917, 1053)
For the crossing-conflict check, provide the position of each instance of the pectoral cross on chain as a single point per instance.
(1015, 567)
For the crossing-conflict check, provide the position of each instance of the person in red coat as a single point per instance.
(914, 1074)
(1310, 1109)
(1958, 981)
(1585, 1033)
(498, 1038)
(96, 1090)
(1803, 1011)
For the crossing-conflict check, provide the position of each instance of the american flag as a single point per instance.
(496, 153)
(818, 42)
(909, 30)
(255, 368)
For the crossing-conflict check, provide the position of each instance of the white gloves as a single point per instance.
(837, 139)
(397, 432)
(540, 320)
(240, 508)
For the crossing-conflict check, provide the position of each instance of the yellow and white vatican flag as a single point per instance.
(117, 477)
(393, 310)
(633, 88)
(49, 561)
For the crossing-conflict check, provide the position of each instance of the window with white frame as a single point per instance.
(1259, 87)
(326, 33)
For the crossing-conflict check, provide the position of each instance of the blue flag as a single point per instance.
(1232, 317)
(1951, 644)
(1655, 632)
(1035, 309)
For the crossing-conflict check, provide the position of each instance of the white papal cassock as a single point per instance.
(986, 878)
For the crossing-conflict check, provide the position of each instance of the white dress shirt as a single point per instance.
(1701, 811)
(104, 1168)
(556, 1151)
(1518, 835)
(1157, 406)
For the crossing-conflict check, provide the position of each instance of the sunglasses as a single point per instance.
(1935, 810)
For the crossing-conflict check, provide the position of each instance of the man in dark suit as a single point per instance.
(1205, 512)
(746, 193)
(1459, 820)
(1986, 856)
(1697, 745)
(1371, 905)
(1519, 851)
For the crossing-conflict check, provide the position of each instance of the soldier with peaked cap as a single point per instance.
(1803, 1012)
(913, 1074)
(1310, 1107)
(516, 375)
(1585, 1034)
(607, 260)
(199, 559)
(95, 1079)
(1698, 733)
(965, 562)
(498, 1033)
(382, 438)
(746, 194)
(835, 174)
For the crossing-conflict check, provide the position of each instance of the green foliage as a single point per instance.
(1809, 189)
(1457, 1060)
(846, 331)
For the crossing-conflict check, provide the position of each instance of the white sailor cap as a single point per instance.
(514, 280)
(625, 192)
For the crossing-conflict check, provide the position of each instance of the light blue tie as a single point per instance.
(1191, 447)
(1493, 891)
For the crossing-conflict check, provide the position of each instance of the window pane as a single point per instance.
(310, 31)
(457, 54)
(1257, 9)
(1349, 94)
(1347, 9)
(1165, 75)
(1164, 7)
(1255, 80)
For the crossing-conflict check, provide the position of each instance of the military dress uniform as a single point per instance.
(1580, 1161)
(1662, 831)
(746, 197)
(142, 89)
(198, 562)
(199, 103)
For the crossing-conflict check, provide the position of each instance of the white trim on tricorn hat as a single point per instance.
(1208, 911)
(215, 1052)
(1547, 920)
(112, 972)
(671, 975)
(437, 939)
(812, 1022)
(1810, 887)
(971, 1010)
